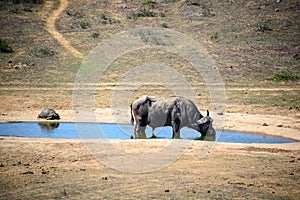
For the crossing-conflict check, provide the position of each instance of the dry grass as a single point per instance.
(249, 41)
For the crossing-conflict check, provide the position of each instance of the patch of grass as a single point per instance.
(4, 47)
(106, 19)
(287, 75)
(162, 14)
(95, 35)
(74, 13)
(214, 36)
(142, 12)
(164, 25)
(207, 11)
(84, 25)
(193, 2)
(150, 2)
(41, 50)
(264, 25)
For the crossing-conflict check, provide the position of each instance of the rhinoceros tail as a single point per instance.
(132, 120)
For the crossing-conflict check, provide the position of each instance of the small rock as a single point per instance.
(45, 172)
(49, 114)
(280, 125)
(208, 191)
(292, 174)
(28, 172)
(167, 190)
(1, 165)
(104, 178)
(265, 124)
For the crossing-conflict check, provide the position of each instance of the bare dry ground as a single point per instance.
(249, 41)
(64, 169)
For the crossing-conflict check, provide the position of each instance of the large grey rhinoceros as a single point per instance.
(178, 113)
(49, 114)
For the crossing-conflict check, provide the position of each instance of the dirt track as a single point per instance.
(50, 25)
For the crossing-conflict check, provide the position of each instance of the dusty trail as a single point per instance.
(50, 26)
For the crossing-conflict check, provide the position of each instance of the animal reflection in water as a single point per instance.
(48, 126)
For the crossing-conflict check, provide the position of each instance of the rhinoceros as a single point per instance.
(49, 114)
(178, 113)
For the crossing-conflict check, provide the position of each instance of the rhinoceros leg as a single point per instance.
(176, 128)
(139, 132)
(176, 121)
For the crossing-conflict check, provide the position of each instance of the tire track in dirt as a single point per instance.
(50, 26)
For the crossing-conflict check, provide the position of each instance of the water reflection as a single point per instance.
(207, 138)
(48, 126)
(51, 129)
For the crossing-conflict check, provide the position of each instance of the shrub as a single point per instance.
(142, 12)
(264, 25)
(84, 25)
(106, 19)
(41, 50)
(207, 11)
(4, 47)
(214, 35)
(150, 2)
(162, 14)
(164, 25)
(284, 76)
(95, 35)
(193, 2)
(74, 13)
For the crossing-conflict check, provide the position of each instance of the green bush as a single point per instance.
(193, 2)
(4, 47)
(106, 19)
(142, 12)
(74, 13)
(41, 50)
(95, 35)
(150, 3)
(284, 76)
(84, 25)
(264, 25)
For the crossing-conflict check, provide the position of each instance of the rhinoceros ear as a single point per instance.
(207, 112)
(148, 101)
(203, 120)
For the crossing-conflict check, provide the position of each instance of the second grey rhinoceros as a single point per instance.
(49, 114)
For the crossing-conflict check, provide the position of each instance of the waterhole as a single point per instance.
(120, 131)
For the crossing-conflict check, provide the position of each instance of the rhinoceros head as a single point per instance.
(205, 126)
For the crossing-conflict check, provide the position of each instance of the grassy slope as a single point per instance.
(248, 40)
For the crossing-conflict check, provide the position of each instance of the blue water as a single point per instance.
(121, 131)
